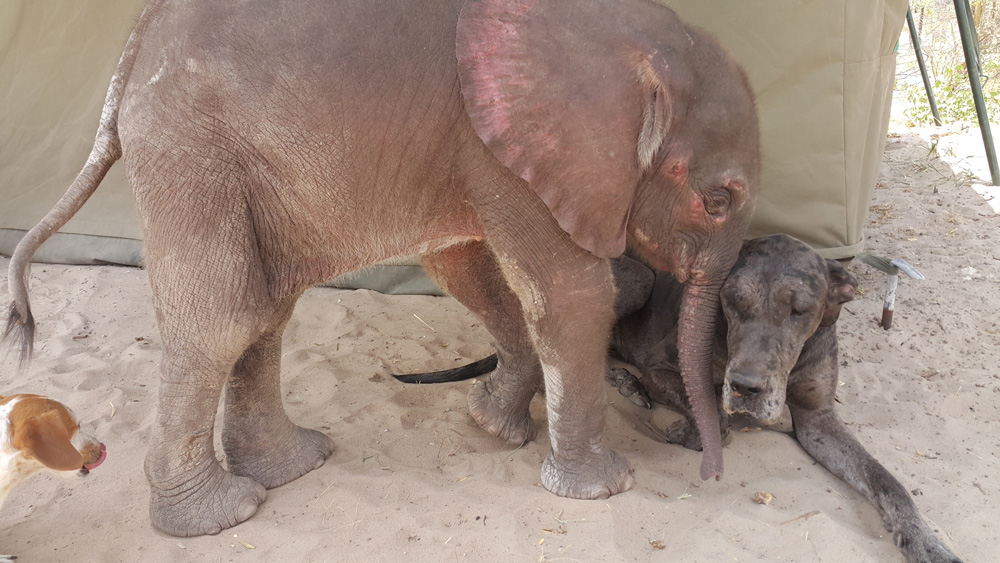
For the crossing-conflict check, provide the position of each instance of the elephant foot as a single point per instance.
(509, 422)
(598, 477)
(214, 501)
(280, 458)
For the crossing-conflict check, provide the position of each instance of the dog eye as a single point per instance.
(729, 305)
(729, 311)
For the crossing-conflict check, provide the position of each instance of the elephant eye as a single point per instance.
(717, 201)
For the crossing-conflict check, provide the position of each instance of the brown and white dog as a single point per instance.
(39, 433)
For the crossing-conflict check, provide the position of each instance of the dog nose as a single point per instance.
(744, 386)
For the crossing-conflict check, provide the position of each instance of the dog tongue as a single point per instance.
(100, 460)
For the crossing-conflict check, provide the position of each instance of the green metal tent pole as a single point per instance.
(915, 40)
(975, 35)
(972, 65)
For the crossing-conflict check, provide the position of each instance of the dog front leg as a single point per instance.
(824, 436)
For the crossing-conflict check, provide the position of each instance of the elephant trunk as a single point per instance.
(698, 318)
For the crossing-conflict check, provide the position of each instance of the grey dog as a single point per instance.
(777, 346)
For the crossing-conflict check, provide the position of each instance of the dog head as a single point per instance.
(44, 434)
(780, 292)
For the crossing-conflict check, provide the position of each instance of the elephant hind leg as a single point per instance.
(259, 439)
(191, 494)
(498, 402)
(213, 302)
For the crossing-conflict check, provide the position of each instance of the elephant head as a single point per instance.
(631, 127)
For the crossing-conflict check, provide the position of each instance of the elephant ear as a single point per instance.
(841, 286)
(575, 111)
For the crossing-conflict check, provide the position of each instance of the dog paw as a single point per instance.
(683, 433)
(629, 386)
(922, 546)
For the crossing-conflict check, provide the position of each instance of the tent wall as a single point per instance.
(56, 60)
(822, 71)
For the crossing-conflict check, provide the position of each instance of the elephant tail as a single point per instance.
(468, 371)
(19, 331)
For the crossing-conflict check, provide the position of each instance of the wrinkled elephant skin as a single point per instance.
(273, 145)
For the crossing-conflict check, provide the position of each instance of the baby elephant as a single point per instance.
(777, 345)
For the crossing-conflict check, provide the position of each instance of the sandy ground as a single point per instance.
(414, 479)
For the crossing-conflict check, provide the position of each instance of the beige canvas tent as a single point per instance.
(822, 71)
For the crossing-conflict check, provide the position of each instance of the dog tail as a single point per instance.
(468, 371)
(19, 331)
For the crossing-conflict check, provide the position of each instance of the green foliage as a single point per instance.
(953, 96)
(941, 44)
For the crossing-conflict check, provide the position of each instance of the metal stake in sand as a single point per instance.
(892, 268)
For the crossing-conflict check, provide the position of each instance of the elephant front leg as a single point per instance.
(259, 440)
(500, 401)
(571, 334)
(190, 493)
(824, 437)
(567, 307)
(566, 296)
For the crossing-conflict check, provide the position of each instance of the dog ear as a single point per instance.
(840, 289)
(45, 438)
